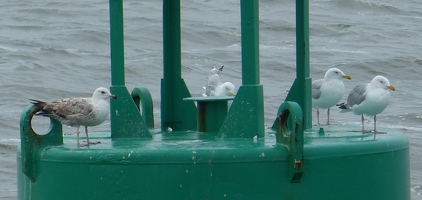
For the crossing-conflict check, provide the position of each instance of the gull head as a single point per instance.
(335, 73)
(103, 93)
(228, 89)
(382, 82)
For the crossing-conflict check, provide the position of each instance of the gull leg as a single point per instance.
(77, 137)
(363, 128)
(328, 115)
(317, 114)
(87, 138)
(375, 127)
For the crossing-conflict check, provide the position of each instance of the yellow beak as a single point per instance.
(391, 87)
(347, 77)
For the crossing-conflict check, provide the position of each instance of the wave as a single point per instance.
(363, 5)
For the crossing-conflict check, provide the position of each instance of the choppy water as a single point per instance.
(58, 49)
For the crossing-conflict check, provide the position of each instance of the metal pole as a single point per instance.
(302, 60)
(116, 43)
(250, 41)
(175, 113)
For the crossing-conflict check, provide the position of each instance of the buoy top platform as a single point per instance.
(206, 150)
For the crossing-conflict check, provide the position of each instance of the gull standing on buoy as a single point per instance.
(370, 99)
(327, 92)
(78, 111)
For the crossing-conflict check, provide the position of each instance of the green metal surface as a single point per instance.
(177, 114)
(340, 164)
(126, 121)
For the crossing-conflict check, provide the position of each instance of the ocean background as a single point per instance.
(55, 49)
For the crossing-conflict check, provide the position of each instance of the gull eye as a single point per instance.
(102, 92)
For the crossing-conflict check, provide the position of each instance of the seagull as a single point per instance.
(209, 87)
(78, 111)
(327, 92)
(215, 87)
(370, 99)
(218, 88)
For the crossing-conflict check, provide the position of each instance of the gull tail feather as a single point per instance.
(344, 107)
(40, 106)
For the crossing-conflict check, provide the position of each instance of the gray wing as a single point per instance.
(316, 88)
(357, 95)
(212, 83)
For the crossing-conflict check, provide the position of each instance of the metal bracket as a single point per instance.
(289, 131)
(143, 101)
(32, 142)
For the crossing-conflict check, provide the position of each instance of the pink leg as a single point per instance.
(317, 114)
(328, 115)
(77, 137)
(87, 138)
(375, 127)
(363, 127)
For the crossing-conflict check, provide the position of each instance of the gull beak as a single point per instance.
(113, 96)
(391, 87)
(232, 94)
(347, 77)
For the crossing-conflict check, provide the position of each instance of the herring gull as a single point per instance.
(327, 92)
(370, 99)
(215, 87)
(78, 111)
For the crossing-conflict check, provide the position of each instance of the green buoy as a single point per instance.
(238, 158)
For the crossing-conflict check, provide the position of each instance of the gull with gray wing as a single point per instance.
(327, 92)
(369, 99)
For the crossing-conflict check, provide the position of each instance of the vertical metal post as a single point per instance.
(246, 115)
(126, 121)
(171, 41)
(175, 113)
(116, 43)
(302, 59)
(250, 41)
(301, 89)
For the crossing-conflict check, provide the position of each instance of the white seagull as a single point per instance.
(370, 99)
(215, 87)
(78, 111)
(327, 92)
(218, 88)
